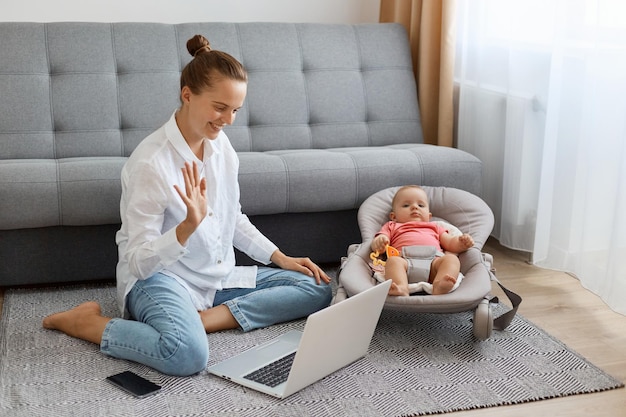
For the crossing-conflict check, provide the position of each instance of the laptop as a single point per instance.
(332, 338)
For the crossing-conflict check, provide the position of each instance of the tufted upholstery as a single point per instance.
(331, 117)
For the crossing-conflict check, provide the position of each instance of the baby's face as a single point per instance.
(411, 205)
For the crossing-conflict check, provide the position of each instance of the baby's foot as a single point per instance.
(443, 285)
(395, 289)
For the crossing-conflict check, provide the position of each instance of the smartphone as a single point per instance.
(134, 384)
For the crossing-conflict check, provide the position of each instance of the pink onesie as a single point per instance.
(413, 233)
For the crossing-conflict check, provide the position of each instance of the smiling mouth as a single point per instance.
(215, 126)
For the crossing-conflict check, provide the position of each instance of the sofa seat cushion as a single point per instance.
(318, 180)
(60, 192)
(86, 191)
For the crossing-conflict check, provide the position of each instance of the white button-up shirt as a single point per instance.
(151, 209)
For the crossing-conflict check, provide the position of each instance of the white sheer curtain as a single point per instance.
(542, 102)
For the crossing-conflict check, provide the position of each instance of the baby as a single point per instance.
(410, 225)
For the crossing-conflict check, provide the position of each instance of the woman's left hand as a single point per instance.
(194, 197)
(303, 265)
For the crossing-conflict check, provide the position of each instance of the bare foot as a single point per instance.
(79, 321)
(443, 285)
(395, 289)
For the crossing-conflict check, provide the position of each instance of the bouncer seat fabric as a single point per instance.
(461, 209)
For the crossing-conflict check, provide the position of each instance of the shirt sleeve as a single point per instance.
(251, 241)
(441, 229)
(148, 249)
(385, 230)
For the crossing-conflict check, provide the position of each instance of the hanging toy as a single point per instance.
(389, 252)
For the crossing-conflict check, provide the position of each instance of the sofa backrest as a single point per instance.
(72, 90)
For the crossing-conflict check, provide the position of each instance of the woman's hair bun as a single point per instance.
(200, 72)
(198, 44)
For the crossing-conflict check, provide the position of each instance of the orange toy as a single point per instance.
(389, 251)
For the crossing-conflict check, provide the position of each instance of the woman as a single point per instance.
(181, 217)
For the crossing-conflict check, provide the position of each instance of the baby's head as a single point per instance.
(410, 203)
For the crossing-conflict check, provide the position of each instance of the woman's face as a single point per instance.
(208, 112)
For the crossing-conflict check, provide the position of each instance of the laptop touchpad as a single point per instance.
(275, 349)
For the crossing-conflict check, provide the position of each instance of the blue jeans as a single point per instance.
(168, 335)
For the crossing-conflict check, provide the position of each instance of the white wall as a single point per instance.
(176, 11)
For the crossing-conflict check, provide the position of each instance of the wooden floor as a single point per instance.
(557, 303)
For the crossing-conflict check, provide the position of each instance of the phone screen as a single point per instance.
(134, 384)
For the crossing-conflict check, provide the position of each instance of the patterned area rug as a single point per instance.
(417, 365)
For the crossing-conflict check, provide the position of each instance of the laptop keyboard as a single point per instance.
(273, 374)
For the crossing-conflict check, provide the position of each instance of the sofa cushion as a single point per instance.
(301, 181)
(69, 192)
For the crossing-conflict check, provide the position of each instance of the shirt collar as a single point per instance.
(176, 138)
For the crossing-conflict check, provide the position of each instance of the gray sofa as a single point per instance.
(331, 117)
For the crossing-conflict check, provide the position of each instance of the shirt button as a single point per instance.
(211, 214)
(219, 262)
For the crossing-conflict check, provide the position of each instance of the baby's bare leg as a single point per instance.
(444, 272)
(396, 271)
(84, 322)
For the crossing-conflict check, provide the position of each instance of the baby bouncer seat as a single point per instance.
(461, 212)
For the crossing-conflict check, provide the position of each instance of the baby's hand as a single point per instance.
(380, 243)
(466, 241)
